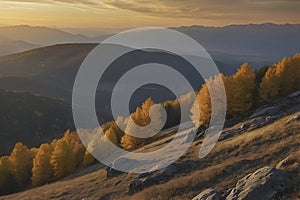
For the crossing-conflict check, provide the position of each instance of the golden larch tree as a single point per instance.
(42, 169)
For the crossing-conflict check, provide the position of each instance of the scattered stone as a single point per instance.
(229, 134)
(245, 126)
(266, 111)
(292, 119)
(111, 172)
(208, 194)
(294, 95)
(271, 119)
(153, 180)
(290, 164)
(170, 170)
(143, 175)
(135, 186)
(264, 183)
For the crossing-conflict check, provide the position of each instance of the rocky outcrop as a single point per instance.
(262, 184)
(208, 194)
(264, 116)
(291, 164)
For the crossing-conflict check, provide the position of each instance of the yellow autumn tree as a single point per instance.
(42, 169)
(88, 159)
(145, 111)
(7, 179)
(139, 118)
(62, 159)
(128, 141)
(21, 162)
(111, 135)
(76, 145)
(281, 79)
(201, 110)
(239, 89)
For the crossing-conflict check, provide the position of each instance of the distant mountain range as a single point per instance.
(15, 39)
(259, 44)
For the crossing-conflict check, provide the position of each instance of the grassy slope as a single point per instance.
(229, 161)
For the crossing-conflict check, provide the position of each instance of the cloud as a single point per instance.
(70, 2)
(209, 10)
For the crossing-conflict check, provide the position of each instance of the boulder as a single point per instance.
(170, 170)
(262, 184)
(294, 95)
(111, 172)
(290, 164)
(208, 194)
(292, 119)
(153, 180)
(229, 134)
(266, 111)
(144, 175)
(135, 186)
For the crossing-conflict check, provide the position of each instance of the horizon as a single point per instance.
(98, 31)
(112, 14)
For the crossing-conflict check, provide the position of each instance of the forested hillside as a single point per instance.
(32, 119)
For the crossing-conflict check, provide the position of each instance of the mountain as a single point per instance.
(32, 119)
(51, 71)
(41, 35)
(259, 44)
(9, 46)
(15, 39)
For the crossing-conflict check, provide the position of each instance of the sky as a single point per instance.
(113, 14)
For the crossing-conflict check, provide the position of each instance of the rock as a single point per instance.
(153, 180)
(111, 172)
(258, 121)
(143, 175)
(208, 194)
(245, 126)
(124, 163)
(266, 111)
(271, 119)
(262, 184)
(292, 119)
(171, 170)
(294, 95)
(228, 134)
(290, 164)
(135, 186)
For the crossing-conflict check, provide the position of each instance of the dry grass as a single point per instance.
(229, 161)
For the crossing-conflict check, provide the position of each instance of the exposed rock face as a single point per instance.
(208, 194)
(291, 164)
(266, 111)
(262, 184)
(294, 95)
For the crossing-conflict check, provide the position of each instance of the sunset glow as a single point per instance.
(134, 13)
